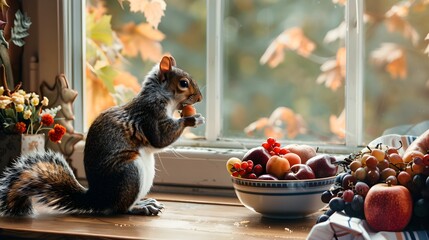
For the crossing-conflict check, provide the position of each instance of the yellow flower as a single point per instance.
(17, 98)
(21, 92)
(27, 114)
(4, 101)
(19, 108)
(27, 96)
(35, 101)
(1, 90)
(45, 101)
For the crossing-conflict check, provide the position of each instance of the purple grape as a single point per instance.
(337, 204)
(357, 203)
(361, 188)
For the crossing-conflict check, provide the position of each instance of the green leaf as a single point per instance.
(100, 31)
(10, 113)
(107, 75)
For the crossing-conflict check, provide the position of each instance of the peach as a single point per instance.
(277, 166)
(304, 151)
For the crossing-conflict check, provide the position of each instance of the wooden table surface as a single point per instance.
(179, 220)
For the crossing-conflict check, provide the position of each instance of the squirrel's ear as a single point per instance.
(165, 66)
(173, 61)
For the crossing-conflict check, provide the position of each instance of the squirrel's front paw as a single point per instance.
(194, 121)
(199, 119)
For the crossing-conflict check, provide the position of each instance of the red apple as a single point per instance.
(258, 155)
(388, 207)
(304, 151)
(299, 171)
(277, 166)
(267, 177)
(323, 165)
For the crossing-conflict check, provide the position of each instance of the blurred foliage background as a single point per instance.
(284, 62)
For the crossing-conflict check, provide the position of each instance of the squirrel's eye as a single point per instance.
(183, 83)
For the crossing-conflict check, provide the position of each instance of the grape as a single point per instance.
(337, 204)
(258, 169)
(355, 165)
(235, 174)
(348, 209)
(339, 177)
(417, 169)
(418, 161)
(250, 164)
(266, 145)
(378, 154)
(396, 160)
(357, 202)
(271, 141)
(244, 165)
(276, 150)
(371, 162)
(391, 150)
(372, 176)
(329, 212)
(237, 166)
(283, 151)
(418, 182)
(353, 213)
(361, 188)
(360, 174)
(326, 196)
(364, 158)
(427, 182)
(387, 172)
(421, 208)
(383, 164)
(322, 218)
(252, 176)
(392, 180)
(348, 181)
(425, 194)
(404, 178)
(348, 195)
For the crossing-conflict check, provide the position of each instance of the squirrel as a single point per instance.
(118, 155)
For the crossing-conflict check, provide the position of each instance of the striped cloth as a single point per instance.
(340, 226)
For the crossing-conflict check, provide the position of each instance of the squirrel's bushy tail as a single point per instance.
(47, 178)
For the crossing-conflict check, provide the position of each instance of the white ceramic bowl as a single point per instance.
(282, 198)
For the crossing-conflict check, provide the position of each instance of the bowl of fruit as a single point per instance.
(282, 182)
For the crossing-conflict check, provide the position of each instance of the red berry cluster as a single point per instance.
(246, 169)
(273, 147)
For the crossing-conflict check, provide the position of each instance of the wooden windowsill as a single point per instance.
(184, 217)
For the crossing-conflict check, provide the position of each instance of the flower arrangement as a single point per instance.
(23, 113)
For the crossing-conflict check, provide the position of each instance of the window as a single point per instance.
(327, 73)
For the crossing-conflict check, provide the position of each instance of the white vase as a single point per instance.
(32, 142)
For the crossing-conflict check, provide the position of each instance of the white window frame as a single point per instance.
(211, 154)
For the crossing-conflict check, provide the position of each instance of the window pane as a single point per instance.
(122, 47)
(284, 57)
(397, 66)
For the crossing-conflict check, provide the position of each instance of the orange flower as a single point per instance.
(47, 119)
(20, 127)
(57, 133)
